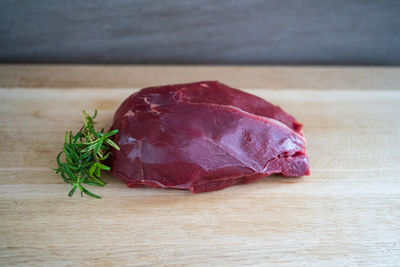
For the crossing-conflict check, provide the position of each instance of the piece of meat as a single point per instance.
(209, 92)
(204, 136)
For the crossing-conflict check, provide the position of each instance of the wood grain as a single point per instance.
(201, 32)
(346, 213)
(131, 76)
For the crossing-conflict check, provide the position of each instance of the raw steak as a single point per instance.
(204, 136)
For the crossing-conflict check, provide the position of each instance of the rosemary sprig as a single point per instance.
(83, 153)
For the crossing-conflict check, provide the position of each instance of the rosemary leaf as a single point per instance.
(83, 152)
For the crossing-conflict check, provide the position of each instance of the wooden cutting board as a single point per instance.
(346, 213)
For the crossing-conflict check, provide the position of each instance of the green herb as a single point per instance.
(83, 153)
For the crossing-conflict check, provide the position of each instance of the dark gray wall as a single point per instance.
(205, 32)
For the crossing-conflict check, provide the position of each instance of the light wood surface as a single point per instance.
(346, 213)
(129, 76)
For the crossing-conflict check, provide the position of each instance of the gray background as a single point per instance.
(201, 32)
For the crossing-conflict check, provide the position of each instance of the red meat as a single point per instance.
(204, 136)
